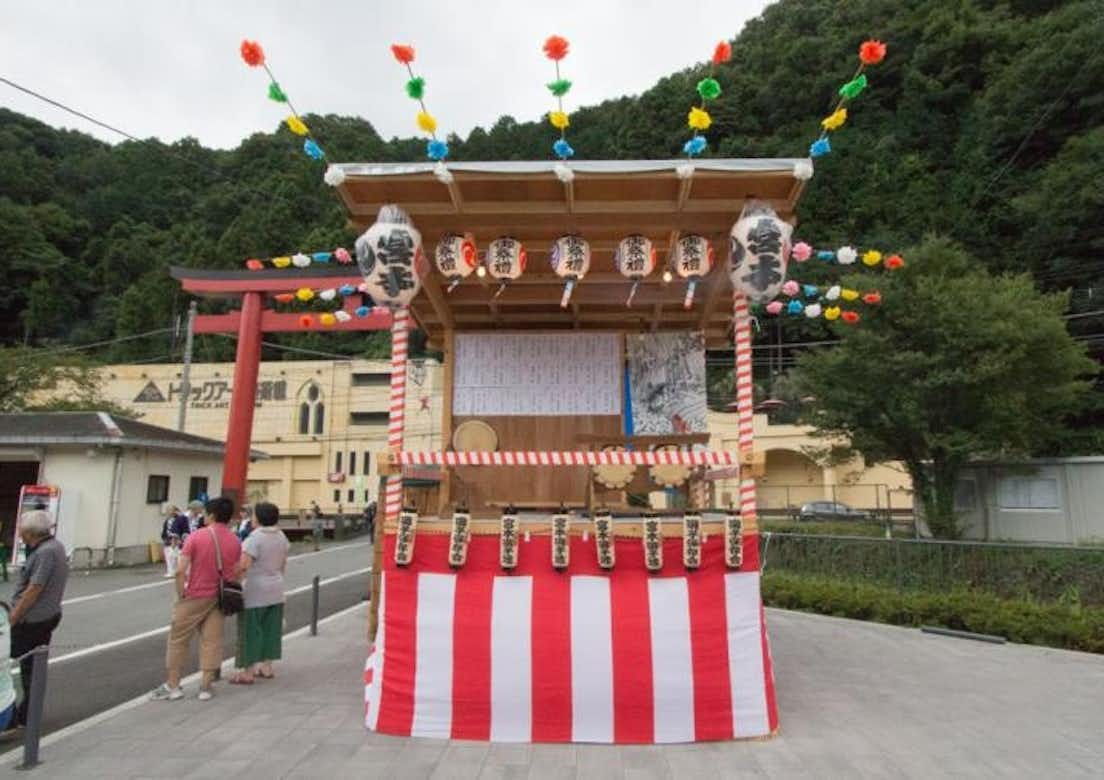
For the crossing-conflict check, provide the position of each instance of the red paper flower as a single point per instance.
(893, 262)
(254, 264)
(555, 47)
(872, 298)
(252, 53)
(723, 52)
(306, 320)
(850, 317)
(285, 297)
(872, 52)
(403, 53)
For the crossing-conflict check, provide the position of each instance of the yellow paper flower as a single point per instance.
(559, 120)
(304, 294)
(698, 119)
(281, 262)
(849, 294)
(832, 313)
(426, 122)
(327, 319)
(835, 119)
(872, 257)
(295, 125)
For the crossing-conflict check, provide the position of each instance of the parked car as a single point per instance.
(831, 510)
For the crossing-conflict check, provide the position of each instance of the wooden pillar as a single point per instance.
(239, 429)
(744, 406)
(444, 495)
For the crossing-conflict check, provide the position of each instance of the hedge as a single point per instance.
(1067, 626)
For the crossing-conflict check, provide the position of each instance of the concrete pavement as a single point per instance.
(855, 699)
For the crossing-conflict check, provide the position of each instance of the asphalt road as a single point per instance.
(110, 646)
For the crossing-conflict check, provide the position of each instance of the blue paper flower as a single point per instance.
(346, 289)
(795, 307)
(363, 311)
(820, 147)
(563, 149)
(810, 290)
(437, 150)
(322, 257)
(827, 255)
(695, 145)
(313, 150)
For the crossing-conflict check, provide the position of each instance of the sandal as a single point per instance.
(269, 676)
(239, 679)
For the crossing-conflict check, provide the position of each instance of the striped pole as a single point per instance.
(744, 403)
(400, 321)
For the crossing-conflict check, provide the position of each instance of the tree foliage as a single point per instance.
(956, 364)
(39, 381)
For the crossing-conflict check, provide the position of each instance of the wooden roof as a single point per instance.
(604, 201)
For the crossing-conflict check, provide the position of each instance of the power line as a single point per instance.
(106, 342)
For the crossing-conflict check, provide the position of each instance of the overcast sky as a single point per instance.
(172, 69)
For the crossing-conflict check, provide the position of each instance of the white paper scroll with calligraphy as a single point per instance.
(458, 538)
(691, 540)
(667, 382)
(734, 540)
(508, 540)
(456, 258)
(404, 537)
(652, 539)
(390, 258)
(760, 244)
(603, 538)
(527, 374)
(570, 259)
(561, 548)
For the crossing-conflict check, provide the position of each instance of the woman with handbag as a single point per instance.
(204, 594)
(261, 623)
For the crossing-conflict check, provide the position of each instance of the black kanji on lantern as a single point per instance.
(576, 254)
(764, 241)
(691, 258)
(503, 259)
(446, 257)
(636, 255)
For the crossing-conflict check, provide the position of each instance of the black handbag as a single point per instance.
(231, 599)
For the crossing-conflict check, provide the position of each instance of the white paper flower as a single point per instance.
(563, 173)
(833, 293)
(846, 255)
(300, 260)
(342, 316)
(684, 170)
(443, 174)
(328, 294)
(812, 311)
(803, 170)
(334, 176)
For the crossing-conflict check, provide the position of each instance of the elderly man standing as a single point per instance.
(37, 609)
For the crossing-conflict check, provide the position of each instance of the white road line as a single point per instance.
(100, 717)
(167, 581)
(164, 629)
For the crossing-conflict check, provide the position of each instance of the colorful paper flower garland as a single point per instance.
(254, 57)
(436, 149)
(300, 259)
(709, 88)
(555, 49)
(871, 52)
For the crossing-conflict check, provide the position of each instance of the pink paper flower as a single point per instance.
(801, 252)
(791, 288)
(774, 307)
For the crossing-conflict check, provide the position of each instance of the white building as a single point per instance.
(113, 474)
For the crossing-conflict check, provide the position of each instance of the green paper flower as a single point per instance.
(559, 87)
(275, 93)
(416, 87)
(709, 89)
(852, 88)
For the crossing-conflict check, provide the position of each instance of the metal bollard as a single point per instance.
(37, 699)
(314, 606)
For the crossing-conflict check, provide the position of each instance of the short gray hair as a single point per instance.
(39, 522)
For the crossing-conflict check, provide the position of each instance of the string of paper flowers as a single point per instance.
(436, 149)
(312, 295)
(815, 301)
(845, 255)
(556, 48)
(708, 88)
(871, 52)
(300, 260)
(254, 57)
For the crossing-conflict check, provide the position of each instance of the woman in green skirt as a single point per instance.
(261, 623)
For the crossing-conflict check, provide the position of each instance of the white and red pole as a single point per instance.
(393, 493)
(744, 401)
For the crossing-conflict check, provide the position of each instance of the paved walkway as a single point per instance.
(855, 700)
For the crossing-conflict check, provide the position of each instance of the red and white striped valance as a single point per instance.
(584, 458)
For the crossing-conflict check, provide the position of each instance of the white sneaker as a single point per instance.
(204, 695)
(164, 693)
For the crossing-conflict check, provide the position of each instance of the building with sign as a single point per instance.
(322, 423)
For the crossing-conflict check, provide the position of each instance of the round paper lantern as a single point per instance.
(760, 250)
(570, 259)
(456, 258)
(505, 260)
(390, 257)
(692, 259)
(634, 259)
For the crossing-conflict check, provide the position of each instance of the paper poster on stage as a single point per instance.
(667, 382)
(517, 374)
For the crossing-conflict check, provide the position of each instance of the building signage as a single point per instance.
(209, 393)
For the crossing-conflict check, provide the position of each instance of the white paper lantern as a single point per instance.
(760, 243)
(691, 260)
(505, 260)
(390, 257)
(634, 259)
(570, 259)
(456, 258)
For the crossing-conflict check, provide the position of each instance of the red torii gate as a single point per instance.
(250, 323)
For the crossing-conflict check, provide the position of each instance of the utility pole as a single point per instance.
(185, 372)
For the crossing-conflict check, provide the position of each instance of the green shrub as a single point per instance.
(1068, 626)
(831, 528)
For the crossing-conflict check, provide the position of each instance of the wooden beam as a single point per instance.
(444, 492)
(437, 299)
(731, 207)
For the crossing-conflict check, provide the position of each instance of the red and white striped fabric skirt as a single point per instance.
(585, 655)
